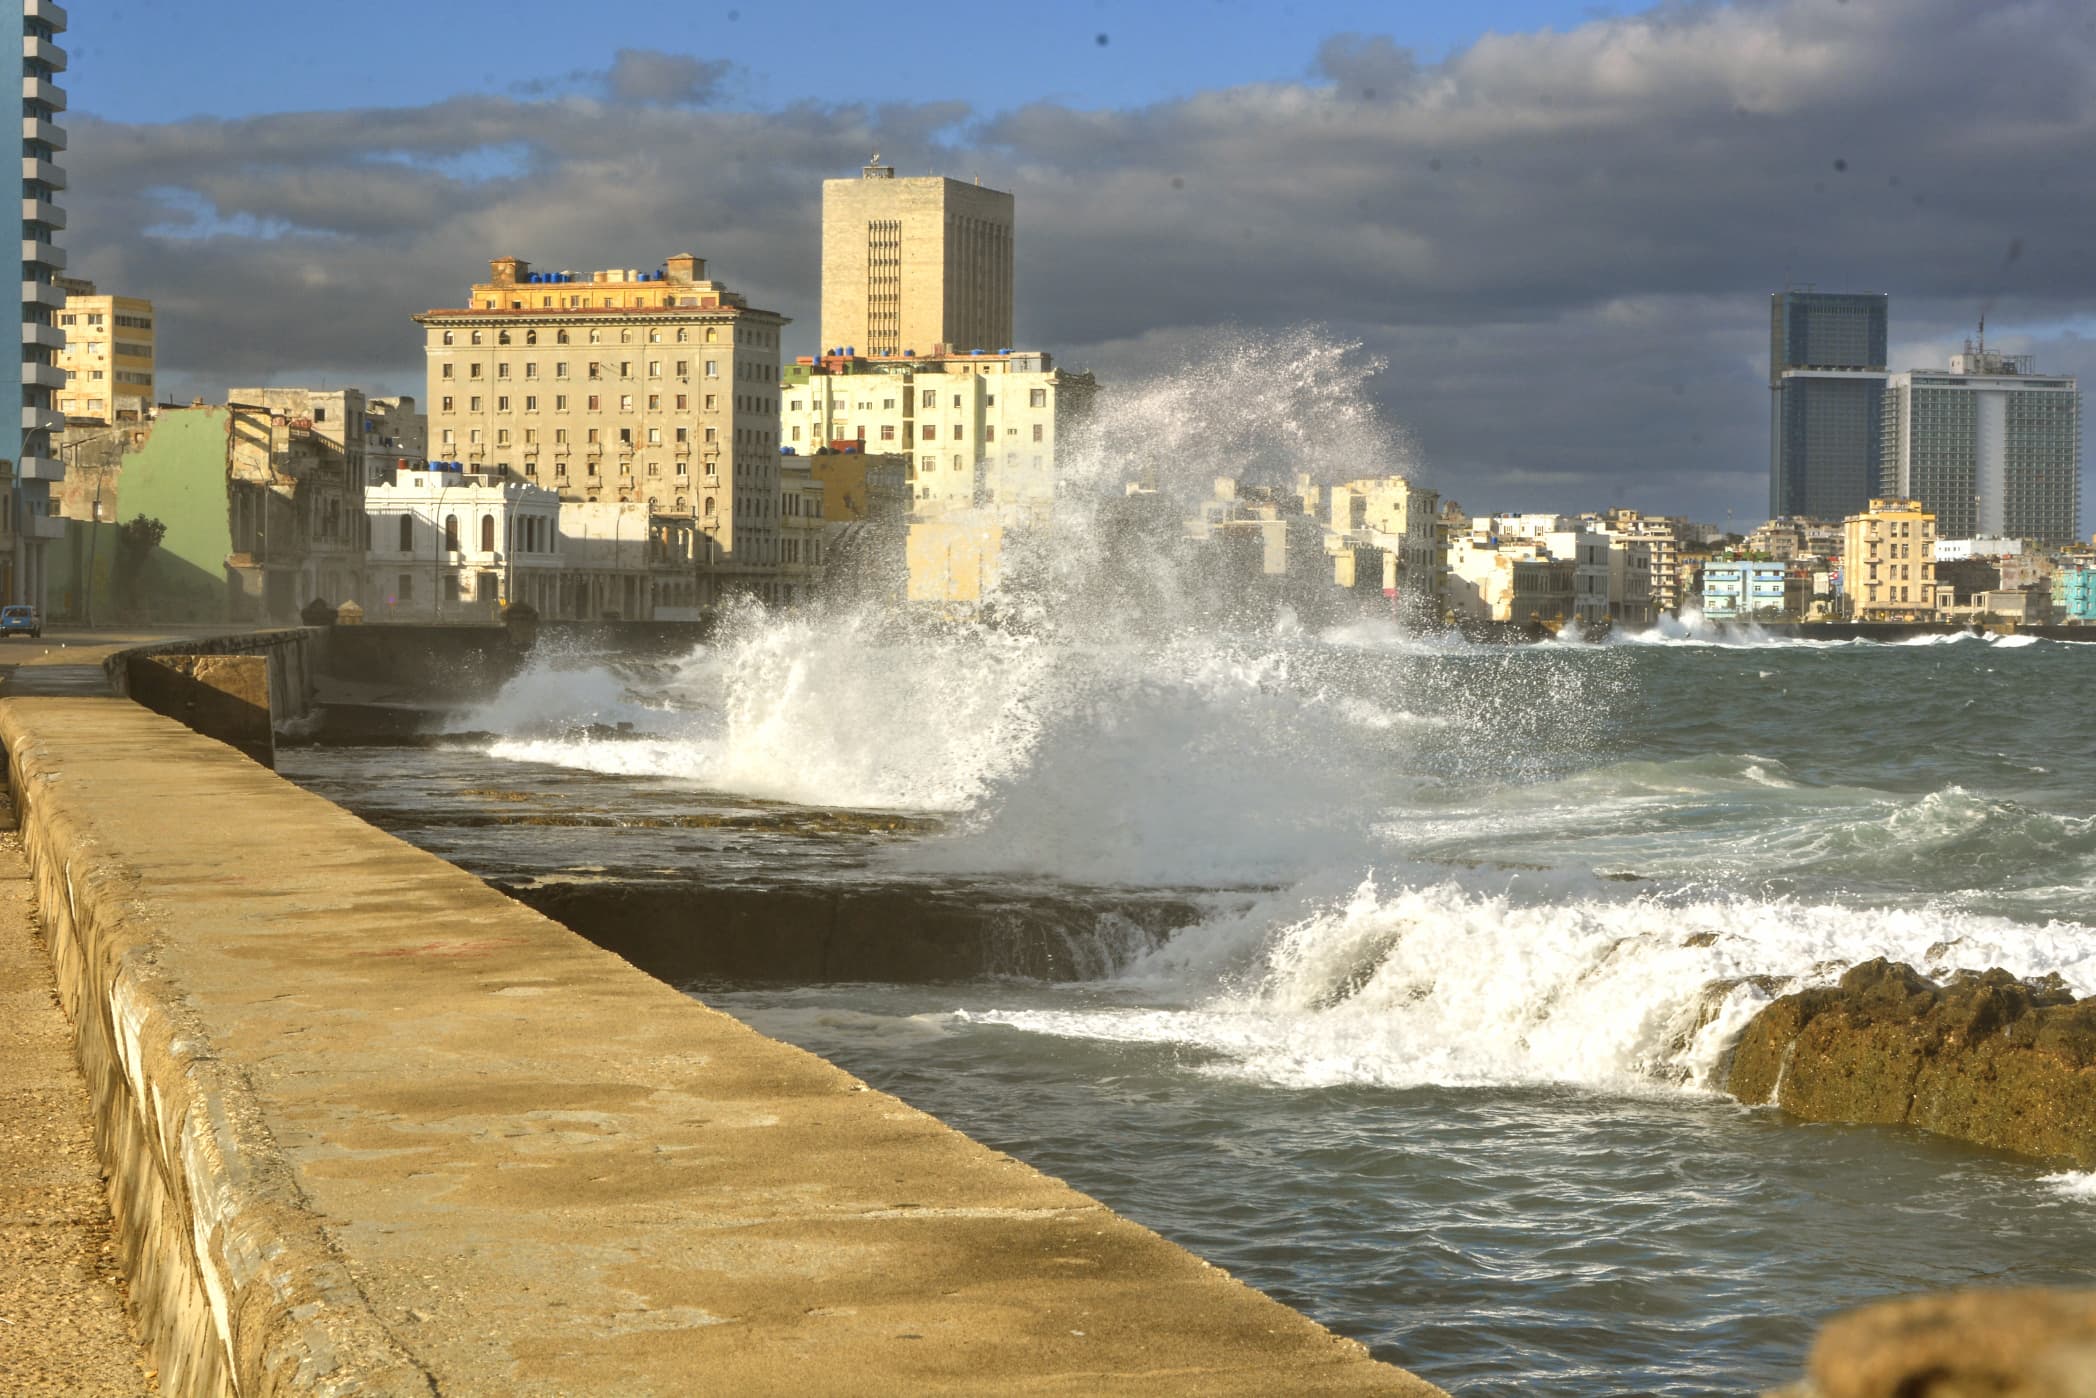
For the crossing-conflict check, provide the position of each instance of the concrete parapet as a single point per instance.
(220, 696)
(375, 1128)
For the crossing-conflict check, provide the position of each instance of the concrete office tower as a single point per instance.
(915, 265)
(29, 519)
(1991, 447)
(1826, 387)
(621, 385)
(108, 355)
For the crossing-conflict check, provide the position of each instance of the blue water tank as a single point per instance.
(975, 351)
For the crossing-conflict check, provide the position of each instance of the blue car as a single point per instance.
(20, 621)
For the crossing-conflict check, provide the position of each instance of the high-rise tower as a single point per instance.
(915, 265)
(28, 421)
(1990, 446)
(1826, 387)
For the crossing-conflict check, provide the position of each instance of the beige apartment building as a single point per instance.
(108, 354)
(1889, 562)
(977, 429)
(656, 387)
(919, 266)
(1398, 517)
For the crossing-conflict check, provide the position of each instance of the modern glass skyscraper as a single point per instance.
(28, 420)
(1826, 391)
(1990, 446)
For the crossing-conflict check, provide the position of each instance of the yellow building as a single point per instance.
(108, 354)
(956, 559)
(622, 385)
(1888, 566)
(800, 527)
(921, 265)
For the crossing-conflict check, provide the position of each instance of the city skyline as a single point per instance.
(1619, 358)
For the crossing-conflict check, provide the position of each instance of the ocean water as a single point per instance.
(1440, 1063)
(1440, 1060)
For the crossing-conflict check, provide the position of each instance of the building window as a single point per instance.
(451, 533)
(1037, 398)
(447, 437)
(472, 371)
(683, 401)
(447, 404)
(502, 404)
(444, 371)
(654, 368)
(560, 402)
(407, 534)
(712, 368)
(405, 591)
(929, 432)
(531, 402)
(475, 337)
(930, 399)
(654, 436)
(594, 402)
(473, 404)
(683, 368)
(1037, 429)
(625, 402)
(487, 533)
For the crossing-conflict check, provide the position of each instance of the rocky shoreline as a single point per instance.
(1980, 1057)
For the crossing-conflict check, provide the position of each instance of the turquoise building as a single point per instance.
(1744, 587)
(2074, 594)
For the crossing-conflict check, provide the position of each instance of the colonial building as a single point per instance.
(922, 265)
(108, 355)
(643, 387)
(298, 463)
(454, 545)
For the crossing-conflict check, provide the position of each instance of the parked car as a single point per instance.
(20, 621)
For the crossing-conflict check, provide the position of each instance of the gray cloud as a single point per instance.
(1563, 243)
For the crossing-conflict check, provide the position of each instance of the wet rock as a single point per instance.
(1983, 1057)
(2025, 1343)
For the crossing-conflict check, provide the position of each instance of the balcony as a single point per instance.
(43, 171)
(36, 49)
(42, 420)
(47, 254)
(40, 129)
(47, 336)
(45, 91)
(44, 375)
(45, 526)
(43, 211)
(39, 468)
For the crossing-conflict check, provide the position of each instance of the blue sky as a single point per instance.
(152, 60)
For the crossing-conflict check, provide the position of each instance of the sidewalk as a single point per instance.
(63, 1329)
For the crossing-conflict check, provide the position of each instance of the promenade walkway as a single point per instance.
(63, 1327)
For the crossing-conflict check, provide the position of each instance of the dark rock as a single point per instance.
(1985, 1058)
(2026, 1343)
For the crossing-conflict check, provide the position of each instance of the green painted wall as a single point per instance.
(177, 476)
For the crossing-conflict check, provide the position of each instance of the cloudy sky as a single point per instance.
(1558, 223)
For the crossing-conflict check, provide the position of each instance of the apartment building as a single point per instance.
(453, 545)
(624, 386)
(978, 429)
(1889, 561)
(29, 520)
(108, 355)
(1398, 517)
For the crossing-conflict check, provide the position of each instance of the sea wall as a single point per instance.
(372, 1127)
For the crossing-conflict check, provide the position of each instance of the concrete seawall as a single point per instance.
(375, 1128)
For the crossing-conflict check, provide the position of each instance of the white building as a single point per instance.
(1630, 595)
(1587, 552)
(977, 428)
(1989, 446)
(452, 545)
